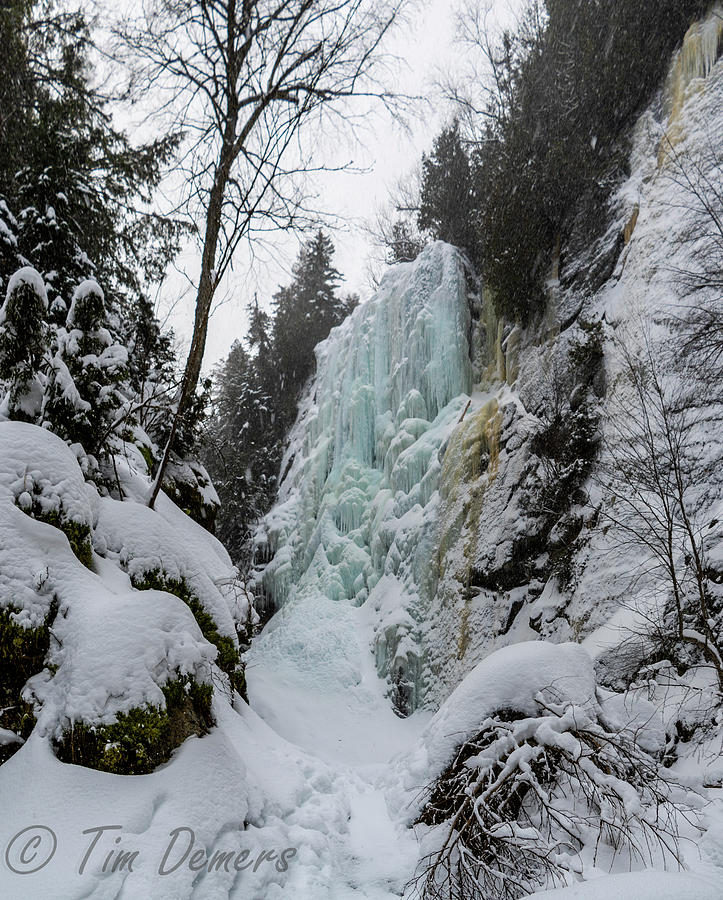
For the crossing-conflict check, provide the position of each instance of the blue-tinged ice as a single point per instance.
(354, 522)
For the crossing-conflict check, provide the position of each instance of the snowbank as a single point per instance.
(111, 648)
(648, 885)
(143, 542)
(512, 678)
(40, 471)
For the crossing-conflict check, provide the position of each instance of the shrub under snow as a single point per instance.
(538, 784)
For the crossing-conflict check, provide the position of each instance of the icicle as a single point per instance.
(701, 48)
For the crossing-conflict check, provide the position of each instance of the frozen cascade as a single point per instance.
(701, 46)
(355, 523)
(692, 64)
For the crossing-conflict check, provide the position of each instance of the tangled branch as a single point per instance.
(519, 801)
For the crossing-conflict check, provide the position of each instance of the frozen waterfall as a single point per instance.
(351, 540)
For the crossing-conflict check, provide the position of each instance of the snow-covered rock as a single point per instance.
(144, 542)
(509, 680)
(41, 472)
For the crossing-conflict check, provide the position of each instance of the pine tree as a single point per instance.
(305, 313)
(446, 202)
(23, 344)
(244, 452)
(83, 393)
(74, 183)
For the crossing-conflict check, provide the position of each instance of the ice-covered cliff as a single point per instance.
(443, 482)
(356, 521)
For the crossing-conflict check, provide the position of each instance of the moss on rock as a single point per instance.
(187, 483)
(147, 455)
(78, 534)
(229, 659)
(143, 738)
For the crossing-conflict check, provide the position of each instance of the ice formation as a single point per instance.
(356, 513)
(702, 45)
(693, 63)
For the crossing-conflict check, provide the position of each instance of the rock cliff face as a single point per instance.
(449, 478)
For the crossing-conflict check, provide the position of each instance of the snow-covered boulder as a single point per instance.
(509, 681)
(145, 544)
(115, 653)
(41, 475)
(37, 463)
(82, 650)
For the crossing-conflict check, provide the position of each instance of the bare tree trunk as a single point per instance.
(204, 299)
(244, 80)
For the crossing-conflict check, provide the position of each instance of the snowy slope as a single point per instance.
(400, 517)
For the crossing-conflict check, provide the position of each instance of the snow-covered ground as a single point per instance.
(308, 792)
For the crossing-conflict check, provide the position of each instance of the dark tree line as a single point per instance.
(74, 191)
(559, 92)
(76, 185)
(258, 387)
(81, 350)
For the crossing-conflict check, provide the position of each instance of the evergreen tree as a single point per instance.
(83, 393)
(23, 345)
(152, 370)
(9, 257)
(554, 125)
(404, 244)
(47, 236)
(304, 314)
(79, 183)
(80, 194)
(258, 336)
(244, 453)
(446, 202)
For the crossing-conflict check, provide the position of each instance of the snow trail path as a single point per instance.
(332, 711)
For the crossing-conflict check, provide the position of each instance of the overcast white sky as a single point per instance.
(425, 46)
